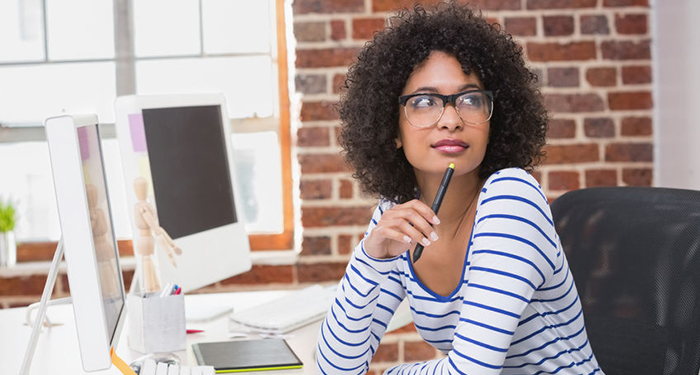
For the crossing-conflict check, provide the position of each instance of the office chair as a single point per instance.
(634, 253)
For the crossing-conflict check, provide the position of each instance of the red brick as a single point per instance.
(561, 51)
(320, 272)
(562, 77)
(573, 102)
(629, 152)
(338, 83)
(128, 277)
(346, 244)
(313, 217)
(599, 127)
(637, 176)
(601, 177)
(562, 4)
(364, 28)
(318, 111)
(563, 180)
(313, 136)
(386, 353)
(23, 285)
(595, 25)
(315, 189)
(521, 26)
(625, 3)
(626, 50)
(558, 25)
(630, 100)
(345, 189)
(338, 31)
(62, 284)
(539, 73)
(327, 6)
(310, 31)
(322, 163)
(310, 83)
(390, 5)
(44, 251)
(496, 4)
(493, 20)
(638, 74)
(561, 128)
(537, 175)
(263, 274)
(571, 154)
(601, 77)
(35, 251)
(417, 351)
(325, 57)
(636, 126)
(316, 245)
(631, 23)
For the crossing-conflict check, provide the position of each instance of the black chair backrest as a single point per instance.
(635, 255)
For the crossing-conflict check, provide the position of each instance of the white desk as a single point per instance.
(57, 349)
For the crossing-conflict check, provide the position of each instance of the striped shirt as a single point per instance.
(516, 311)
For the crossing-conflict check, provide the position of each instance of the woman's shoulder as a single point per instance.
(385, 204)
(514, 181)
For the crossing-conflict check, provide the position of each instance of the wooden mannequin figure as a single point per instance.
(147, 223)
(104, 249)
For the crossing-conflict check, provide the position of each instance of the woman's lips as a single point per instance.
(450, 146)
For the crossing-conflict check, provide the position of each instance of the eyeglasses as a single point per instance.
(425, 109)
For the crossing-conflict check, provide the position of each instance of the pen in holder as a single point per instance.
(157, 323)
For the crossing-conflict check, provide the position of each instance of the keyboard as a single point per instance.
(150, 367)
(289, 312)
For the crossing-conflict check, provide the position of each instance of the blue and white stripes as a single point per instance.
(516, 311)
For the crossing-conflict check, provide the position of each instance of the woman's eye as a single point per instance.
(422, 102)
(471, 100)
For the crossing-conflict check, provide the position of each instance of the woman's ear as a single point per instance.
(398, 142)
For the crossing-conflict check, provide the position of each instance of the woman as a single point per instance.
(492, 289)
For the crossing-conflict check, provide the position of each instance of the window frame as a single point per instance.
(125, 63)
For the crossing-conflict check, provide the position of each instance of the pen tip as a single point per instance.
(452, 165)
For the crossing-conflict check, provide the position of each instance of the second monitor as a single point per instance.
(179, 171)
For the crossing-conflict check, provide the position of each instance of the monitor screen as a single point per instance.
(189, 168)
(179, 170)
(90, 248)
(101, 225)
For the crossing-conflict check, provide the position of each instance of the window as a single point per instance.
(77, 56)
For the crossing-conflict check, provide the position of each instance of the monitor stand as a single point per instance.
(45, 296)
(41, 317)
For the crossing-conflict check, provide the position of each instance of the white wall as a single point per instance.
(676, 56)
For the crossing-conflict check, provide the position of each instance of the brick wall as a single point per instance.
(593, 58)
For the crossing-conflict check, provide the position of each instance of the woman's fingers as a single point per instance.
(402, 225)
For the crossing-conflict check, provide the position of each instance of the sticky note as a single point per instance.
(138, 134)
(84, 143)
(145, 171)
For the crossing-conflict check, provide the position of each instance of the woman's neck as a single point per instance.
(460, 198)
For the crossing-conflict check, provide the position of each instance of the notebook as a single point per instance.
(246, 355)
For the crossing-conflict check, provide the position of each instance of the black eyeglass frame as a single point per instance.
(447, 99)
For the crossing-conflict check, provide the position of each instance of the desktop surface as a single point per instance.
(57, 349)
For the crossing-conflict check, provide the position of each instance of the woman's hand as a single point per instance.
(400, 228)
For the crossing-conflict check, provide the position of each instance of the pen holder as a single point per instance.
(157, 324)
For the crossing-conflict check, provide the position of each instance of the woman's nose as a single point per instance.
(450, 119)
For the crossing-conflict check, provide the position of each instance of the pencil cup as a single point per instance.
(156, 324)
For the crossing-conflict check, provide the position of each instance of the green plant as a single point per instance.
(7, 216)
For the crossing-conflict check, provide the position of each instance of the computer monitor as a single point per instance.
(178, 165)
(90, 248)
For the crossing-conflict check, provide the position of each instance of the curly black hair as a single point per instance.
(369, 109)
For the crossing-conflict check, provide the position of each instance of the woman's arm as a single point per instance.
(513, 252)
(366, 299)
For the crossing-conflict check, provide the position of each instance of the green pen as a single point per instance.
(436, 203)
